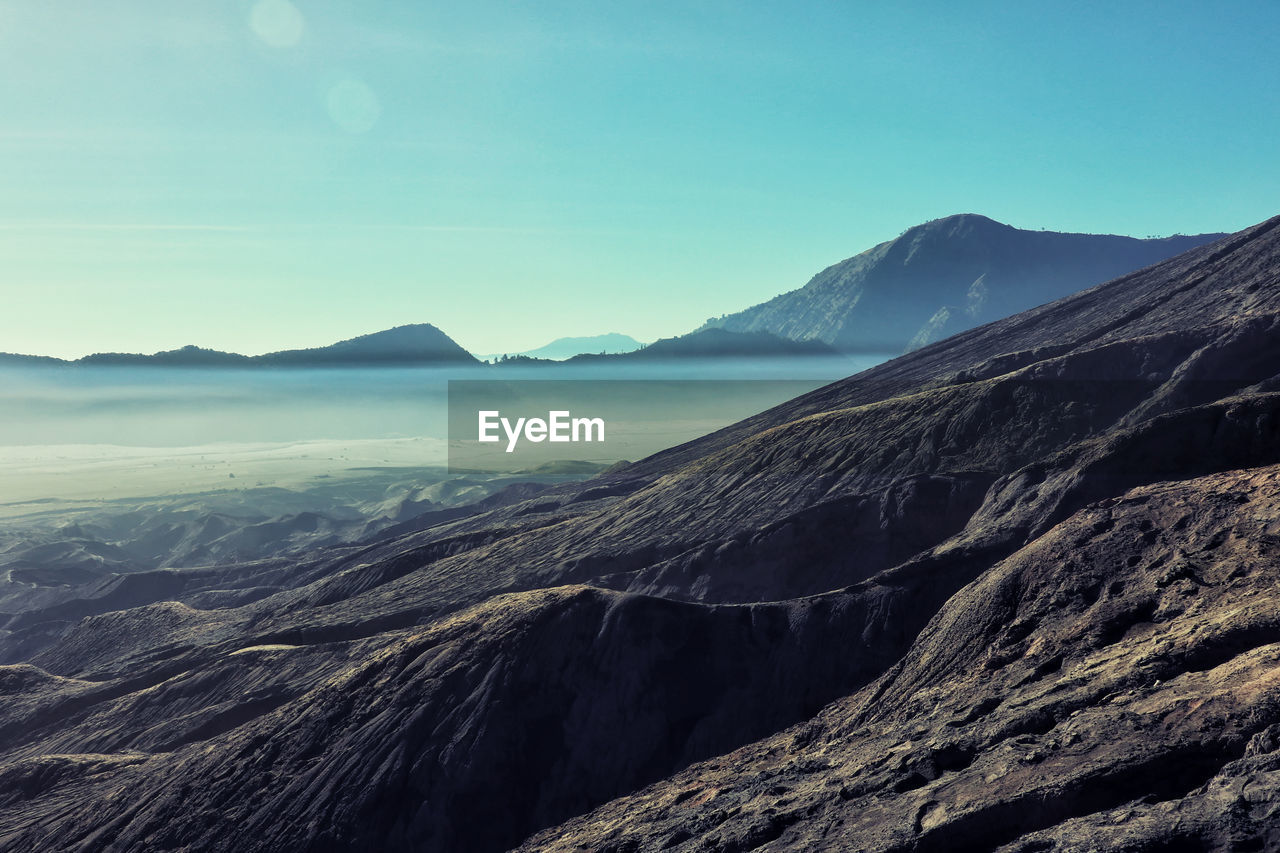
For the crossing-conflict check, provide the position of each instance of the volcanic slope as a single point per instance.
(1027, 571)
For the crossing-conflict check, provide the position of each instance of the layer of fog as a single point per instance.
(110, 432)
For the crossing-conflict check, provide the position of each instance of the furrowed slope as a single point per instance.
(796, 559)
(1113, 685)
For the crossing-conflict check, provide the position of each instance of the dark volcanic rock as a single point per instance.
(1110, 686)
(462, 736)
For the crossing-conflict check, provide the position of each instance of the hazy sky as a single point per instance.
(254, 176)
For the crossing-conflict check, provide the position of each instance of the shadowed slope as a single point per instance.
(1110, 686)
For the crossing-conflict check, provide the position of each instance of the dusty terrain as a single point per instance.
(1016, 590)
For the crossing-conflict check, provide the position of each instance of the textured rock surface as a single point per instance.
(1113, 685)
(1015, 589)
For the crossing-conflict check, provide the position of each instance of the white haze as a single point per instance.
(109, 432)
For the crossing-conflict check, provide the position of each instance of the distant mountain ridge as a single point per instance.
(423, 343)
(419, 343)
(933, 281)
(717, 343)
(946, 276)
(1012, 591)
(608, 343)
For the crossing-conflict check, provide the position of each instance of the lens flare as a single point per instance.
(353, 106)
(277, 22)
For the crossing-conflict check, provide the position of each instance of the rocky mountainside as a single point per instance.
(1114, 685)
(944, 277)
(1011, 591)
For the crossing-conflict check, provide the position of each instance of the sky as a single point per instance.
(253, 176)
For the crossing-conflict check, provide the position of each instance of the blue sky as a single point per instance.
(260, 175)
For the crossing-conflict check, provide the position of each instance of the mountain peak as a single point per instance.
(416, 342)
(398, 338)
(945, 276)
(973, 220)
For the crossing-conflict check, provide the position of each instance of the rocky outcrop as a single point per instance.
(1111, 685)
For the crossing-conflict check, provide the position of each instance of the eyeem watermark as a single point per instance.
(558, 426)
(570, 425)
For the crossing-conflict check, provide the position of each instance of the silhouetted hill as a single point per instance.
(716, 343)
(421, 343)
(943, 277)
(16, 360)
(188, 356)
(412, 344)
(562, 348)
